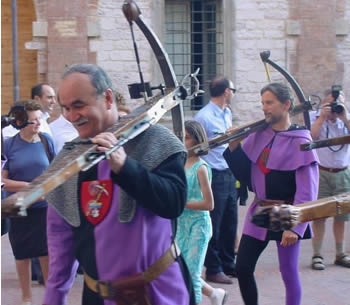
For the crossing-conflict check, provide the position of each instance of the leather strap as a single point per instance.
(109, 289)
(332, 170)
(46, 146)
(270, 202)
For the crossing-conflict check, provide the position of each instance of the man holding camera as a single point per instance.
(332, 120)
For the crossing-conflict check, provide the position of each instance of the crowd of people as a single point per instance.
(154, 223)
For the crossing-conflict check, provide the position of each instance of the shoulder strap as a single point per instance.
(46, 146)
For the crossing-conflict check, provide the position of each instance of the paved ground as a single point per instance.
(328, 287)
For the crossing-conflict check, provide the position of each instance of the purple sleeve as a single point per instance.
(3, 161)
(62, 263)
(306, 190)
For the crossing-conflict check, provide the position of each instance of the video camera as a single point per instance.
(336, 106)
(17, 117)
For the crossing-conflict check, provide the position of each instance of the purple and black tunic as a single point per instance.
(288, 174)
(106, 245)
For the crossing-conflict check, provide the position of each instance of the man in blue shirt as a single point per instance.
(216, 118)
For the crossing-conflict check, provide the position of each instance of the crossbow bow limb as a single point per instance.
(133, 14)
(291, 80)
(240, 133)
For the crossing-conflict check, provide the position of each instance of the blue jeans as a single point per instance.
(220, 255)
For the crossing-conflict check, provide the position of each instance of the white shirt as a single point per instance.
(44, 127)
(62, 131)
(332, 156)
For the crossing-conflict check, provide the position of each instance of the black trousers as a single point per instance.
(220, 255)
(36, 271)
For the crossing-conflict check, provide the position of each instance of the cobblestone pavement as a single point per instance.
(328, 287)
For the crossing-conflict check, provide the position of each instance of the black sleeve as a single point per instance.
(162, 190)
(239, 164)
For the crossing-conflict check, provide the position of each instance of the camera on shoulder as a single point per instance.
(336, 107)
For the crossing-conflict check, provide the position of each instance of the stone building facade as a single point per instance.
(309, 38)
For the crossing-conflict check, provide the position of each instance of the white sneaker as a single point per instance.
(218, 297)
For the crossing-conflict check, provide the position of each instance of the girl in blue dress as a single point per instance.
(194, 227)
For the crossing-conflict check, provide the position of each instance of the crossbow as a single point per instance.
(76, 157)
(240, 133)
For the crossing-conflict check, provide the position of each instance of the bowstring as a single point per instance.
(145, 97)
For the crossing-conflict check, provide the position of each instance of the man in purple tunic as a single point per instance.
(115, 219)
(271, 163)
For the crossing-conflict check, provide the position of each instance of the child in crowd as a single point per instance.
(194, 227)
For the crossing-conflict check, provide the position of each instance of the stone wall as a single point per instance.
(308, 38)
(300, 36)
(260, 25)
(343, 49)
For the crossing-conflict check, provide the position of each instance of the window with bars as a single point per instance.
(194, 39)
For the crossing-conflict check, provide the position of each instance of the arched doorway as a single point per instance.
(27, 59)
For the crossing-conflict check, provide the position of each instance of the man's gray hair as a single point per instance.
(99, 78)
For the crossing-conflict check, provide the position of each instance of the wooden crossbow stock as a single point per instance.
(326, 143)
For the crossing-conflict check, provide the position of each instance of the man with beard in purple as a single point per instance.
(271, 163)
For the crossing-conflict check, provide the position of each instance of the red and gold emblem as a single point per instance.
(96, 198)
(262, 161)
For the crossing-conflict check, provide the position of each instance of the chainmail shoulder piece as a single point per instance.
(150, 148)
(64, 198)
